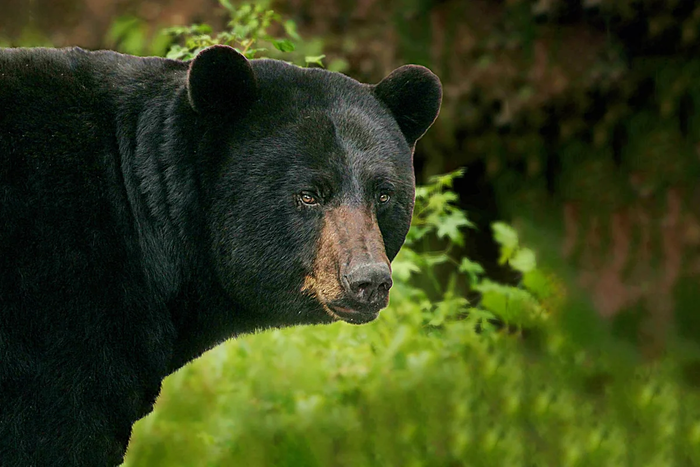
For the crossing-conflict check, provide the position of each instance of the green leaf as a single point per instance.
(438, 202)
(290, 27)
(469, 266)
(523, 260)
(405, 264)
(480, 313)
(481, 318)
(538, 284)
(450, 308)
(507, 238)
(252, 53)
(178, 52)
(512, 304)
(431, 259)
(416, 233)
(472, 269)
(450, 227)
(314, 60)
(283, 45)
(227, 4)
(422, 192)
(446, 180)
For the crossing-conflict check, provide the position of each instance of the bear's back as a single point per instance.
(61, 185)
(57, 115)
(62, 111)
(54, 139)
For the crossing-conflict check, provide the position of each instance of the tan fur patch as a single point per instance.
(325, 281)
(347, 234)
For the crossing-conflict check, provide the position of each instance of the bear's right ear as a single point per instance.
(413, 94)
(221, 81)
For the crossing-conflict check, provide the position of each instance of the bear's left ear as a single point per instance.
(221, 81)
(413, 94)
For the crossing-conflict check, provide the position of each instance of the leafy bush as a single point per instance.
(248, 26)
(248, 32)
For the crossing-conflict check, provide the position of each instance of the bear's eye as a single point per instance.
(308, 198)
(384, 198)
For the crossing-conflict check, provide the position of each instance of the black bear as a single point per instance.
(151, 209)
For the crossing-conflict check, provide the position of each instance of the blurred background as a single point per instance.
(577, 122)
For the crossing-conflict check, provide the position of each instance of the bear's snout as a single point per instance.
(352, 275)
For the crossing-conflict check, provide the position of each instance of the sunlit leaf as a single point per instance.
(283, 45)
(511, 304)
(472, 269)
(523, 260)
(290, 28)
(450, 226)
(314, 60)
(507, 238)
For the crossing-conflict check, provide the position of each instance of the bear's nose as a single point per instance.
(368, 283)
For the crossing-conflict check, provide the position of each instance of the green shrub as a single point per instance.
(248, 31)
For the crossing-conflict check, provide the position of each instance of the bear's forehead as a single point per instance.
(348, 138)
(289, 89)
(327, 121)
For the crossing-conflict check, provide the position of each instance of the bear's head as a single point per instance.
(310, 182)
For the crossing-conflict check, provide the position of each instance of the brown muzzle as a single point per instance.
(351, 274)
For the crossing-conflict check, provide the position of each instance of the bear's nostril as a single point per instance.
(385, 286)
(368, 282)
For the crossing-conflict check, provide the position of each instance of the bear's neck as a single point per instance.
(165, 175)
(156, 149)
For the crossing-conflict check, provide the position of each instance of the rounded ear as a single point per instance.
(413, 95)
(221, 81)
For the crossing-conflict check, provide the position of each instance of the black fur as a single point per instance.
(144, 220)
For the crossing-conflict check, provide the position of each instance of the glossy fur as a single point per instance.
(150, 209)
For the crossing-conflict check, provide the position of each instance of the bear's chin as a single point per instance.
(338, 313)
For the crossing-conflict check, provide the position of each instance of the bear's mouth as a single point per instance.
(349, 315)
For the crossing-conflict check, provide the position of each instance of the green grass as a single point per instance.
(400, 393)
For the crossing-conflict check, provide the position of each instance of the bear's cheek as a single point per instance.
(394, 226)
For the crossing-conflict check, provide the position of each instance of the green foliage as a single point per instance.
(248, 31)
(252, 29)
(431, 382)
(247, 27)
(437, 217)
